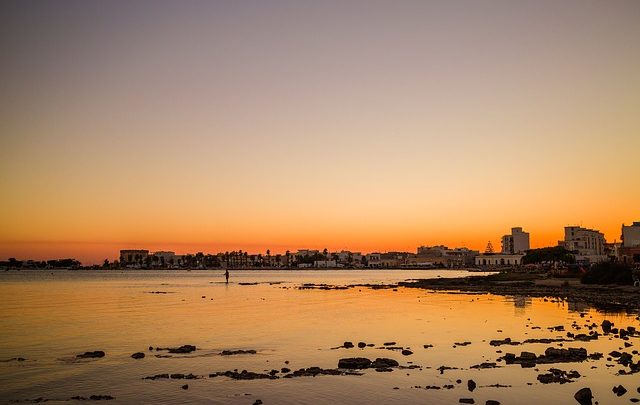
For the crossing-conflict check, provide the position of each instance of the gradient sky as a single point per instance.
(365, 125)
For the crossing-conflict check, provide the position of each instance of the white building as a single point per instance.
(307, 252)
(373, 259)
(164, 259)
(517, 242)
(586, 244)
(492, 259)
(631, 235)
(325, 264)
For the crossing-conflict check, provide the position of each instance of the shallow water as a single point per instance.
(49, 317)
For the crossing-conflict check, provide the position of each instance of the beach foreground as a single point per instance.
(311, 337)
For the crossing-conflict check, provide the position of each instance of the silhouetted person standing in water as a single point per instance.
(226, 275)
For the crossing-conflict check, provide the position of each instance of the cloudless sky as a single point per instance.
(365, 125)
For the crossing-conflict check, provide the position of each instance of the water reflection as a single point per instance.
(46, 320)
(521, 303)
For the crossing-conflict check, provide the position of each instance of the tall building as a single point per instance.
(629, 251)
(588, 243)
(631, 235)
(517, 242)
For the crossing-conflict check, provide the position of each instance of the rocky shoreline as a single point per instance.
(604, 297)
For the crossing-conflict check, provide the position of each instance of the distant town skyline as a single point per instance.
(362, 125)
(71, 249)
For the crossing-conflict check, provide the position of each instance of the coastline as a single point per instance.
(606, 297)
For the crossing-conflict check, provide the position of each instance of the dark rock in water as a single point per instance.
(619, 390)
(150, 348)
(500, 342)
(244, 375)
(14, 359)
(383, 369)
(492, 402)
(182, 349)
(558, 376)
(177, 376)
(584, 396)
(551, 355)
(347, 345)
(544, 340)
(362, 345)
(467, 401)
(185, 387)
(354, 363)
(443, 368)
(315, 371)
(389, 344)
(527, 356)
(384, 363)
(101, 397)
(91, 355)
(471, 385)
(285, 370)
(427, 346)
(406, 352)
(485, 365)
(157, 377)
(606, 326)
(138, 355)
(462, 344)
(234, 352)
(258, 402)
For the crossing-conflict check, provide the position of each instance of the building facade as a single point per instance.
(135, 258)
(629, 251)
(588, 245)
(516, 242)
(631, 235)
(499, 259)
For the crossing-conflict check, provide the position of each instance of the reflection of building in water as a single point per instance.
(521, 302)
(578, 306)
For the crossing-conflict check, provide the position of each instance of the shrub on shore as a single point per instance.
(608, 273)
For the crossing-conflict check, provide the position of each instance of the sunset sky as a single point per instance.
(363, 125)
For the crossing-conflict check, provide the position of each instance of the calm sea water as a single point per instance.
(49, 317)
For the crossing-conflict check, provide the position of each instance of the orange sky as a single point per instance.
(347, 125)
